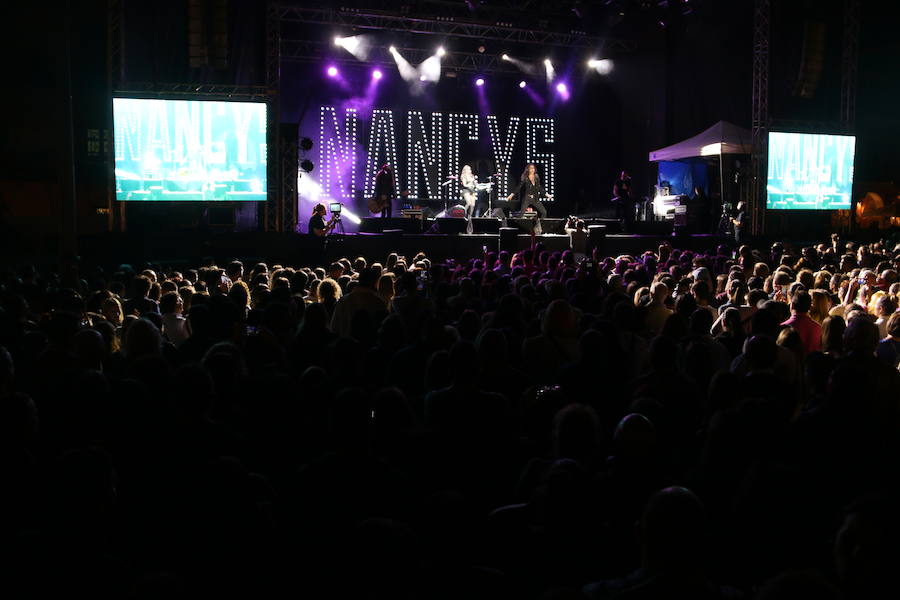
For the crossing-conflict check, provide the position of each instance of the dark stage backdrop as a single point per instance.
(577, 144)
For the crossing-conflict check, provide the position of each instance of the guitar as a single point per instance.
(377, 204)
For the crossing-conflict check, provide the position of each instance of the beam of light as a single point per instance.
(535, 97)
(377, 74)
(548, 68)
(563, 90)
(440, 52)
(357, 45)
(479, 82)
(345, 212)
(603, 66)
(522, 84)
(332, 71)
(430, 69)
(525, 67)
(408, 72)
(310, 193)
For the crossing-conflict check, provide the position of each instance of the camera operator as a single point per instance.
(740, 222)
(317, 224)
(578, 236)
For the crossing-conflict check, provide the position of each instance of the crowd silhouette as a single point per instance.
(676, 424)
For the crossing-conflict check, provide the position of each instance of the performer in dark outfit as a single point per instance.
(741, 222)
(385, 188)
(530, 191)
(623, 200)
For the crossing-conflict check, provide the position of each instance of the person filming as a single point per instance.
(317, 224)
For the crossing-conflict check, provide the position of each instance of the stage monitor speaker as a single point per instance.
(597, 238)
(612, 225)
(379, 224)
(452, 225)
(538, 226)
(486, 225)
(509, 238)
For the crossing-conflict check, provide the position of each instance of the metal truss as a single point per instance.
(275, 204)
(218, 91)
(849, 62)
(501, 31)
(808, 126)
(760, 113)
(289, 169)
(115, 64)
(315, 51)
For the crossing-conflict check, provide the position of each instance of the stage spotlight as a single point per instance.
(603, 66)
(307, 165)
(440, 51)
(409, 73)
(352, 45)
(376, 74)
(561, 88)
(479, 82)
(306, 144)
(430, 69)
(392, 50)
(504, 57)
(522, 84)
(548, 67)
(332, 71)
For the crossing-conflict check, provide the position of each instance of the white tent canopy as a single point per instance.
(721, 138)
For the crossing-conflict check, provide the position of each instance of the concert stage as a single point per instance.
(189, 248)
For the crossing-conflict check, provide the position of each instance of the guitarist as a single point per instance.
(385, 190)
(317, 224)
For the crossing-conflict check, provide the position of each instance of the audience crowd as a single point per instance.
(526, 425)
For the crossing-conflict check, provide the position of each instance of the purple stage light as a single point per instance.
(522, 84)
(376, 74)
(561, 88)
(479, 82)
(332, 71)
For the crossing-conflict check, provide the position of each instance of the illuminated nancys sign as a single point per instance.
(428, 151)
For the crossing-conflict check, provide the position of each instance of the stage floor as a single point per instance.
(190, 248)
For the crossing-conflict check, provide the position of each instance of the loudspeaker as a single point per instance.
(612, 225)
(597, 238)
(509, 237)
(380, 225)
(486, 225)
(452, 225)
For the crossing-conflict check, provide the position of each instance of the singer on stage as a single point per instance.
(469, 194)
(530, 191)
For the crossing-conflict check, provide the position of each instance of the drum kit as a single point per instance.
(479, 187)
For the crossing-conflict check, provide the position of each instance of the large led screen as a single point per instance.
(810, 171)
(189, 150)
